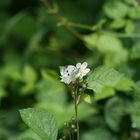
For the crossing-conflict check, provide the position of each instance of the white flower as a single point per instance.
(71, 73)
(82, 70)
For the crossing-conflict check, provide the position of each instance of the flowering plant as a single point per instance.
(73, 76)
(43, 123)
(57, 32)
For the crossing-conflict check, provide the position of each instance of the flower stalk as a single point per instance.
(76, 112)
(73, 77)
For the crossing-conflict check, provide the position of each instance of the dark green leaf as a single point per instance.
(115, 109)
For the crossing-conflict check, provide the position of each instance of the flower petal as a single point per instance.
(78, 65)
(62, 70)
(87, 70)
(84, 65)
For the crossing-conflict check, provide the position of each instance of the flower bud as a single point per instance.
(73, 119)
(64, 137)
(75, 130)
(72, 126)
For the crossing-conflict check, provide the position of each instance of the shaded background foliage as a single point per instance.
(32, 47)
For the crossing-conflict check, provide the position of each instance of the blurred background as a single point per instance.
(35, 39)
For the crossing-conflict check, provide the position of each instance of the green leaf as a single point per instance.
(112, 49)
(50, 89)
(135, 114)
(135, 51)
(103, 43)
(134, 13)
(129, 27)
(91, 41)
(109, 46)
(125, 84)
(116, 58)
(116, 9)
(107, 43)
(27, 134)
(29, 77)
(137, 89)
(105, 93)
(130, 1)
(103, 76)
(10, 24)
(26, 24)
(3, 92)
(11, 68)
(86, 98)
(118, 23)
(135, 107)
(115, 109)
(99, 133)
(41, 122)
(25, 139)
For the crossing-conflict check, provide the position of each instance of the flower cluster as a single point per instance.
(70, 73)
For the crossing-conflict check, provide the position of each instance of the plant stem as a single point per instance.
(76, 112)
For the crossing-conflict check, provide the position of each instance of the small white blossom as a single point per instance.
(82, 69)
(71, 73)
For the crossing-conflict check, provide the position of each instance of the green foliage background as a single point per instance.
(33, 46)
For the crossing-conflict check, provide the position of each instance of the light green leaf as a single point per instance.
(130, 1)
(27, 134)
(103, 76)
(112, 49)
(125, 84)
(129, 27)
(29, 74)
(50, 89)
(41, 122)
(100, 133)
(117, 58)
(29, 77)
(11, 68)
(135, 51)
(134, 13)
(86, 98)
(91, 41)
(116, 9)
(103, 43)
(109, 46)
(118, 23)
(25, 139)
(105, 93)
(107, 43)
(3, 92)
